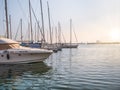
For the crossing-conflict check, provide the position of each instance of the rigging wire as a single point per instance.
(75, 35)
(24, 14)
(1, 4)
(27, 35)
(37, 22)
(17, 31)
(22, 10)
(63, 37)
(36, 8)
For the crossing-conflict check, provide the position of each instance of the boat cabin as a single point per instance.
(8, 44)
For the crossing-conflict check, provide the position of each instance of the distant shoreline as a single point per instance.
(102, 43)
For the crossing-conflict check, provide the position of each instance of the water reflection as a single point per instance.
(90, 67)
(23, 75)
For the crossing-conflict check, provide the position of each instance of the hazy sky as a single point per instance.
(92, 19)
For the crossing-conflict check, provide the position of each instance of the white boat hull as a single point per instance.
(12, 53)
(23, 55)
(16, 58)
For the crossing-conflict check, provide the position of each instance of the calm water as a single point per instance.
(90, 67)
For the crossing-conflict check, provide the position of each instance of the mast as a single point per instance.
(56, 35)
(30, 21)
(21, 30)
(59, 31)
(49, 24)
(70, 31)
(10, 27)
(35, 33)
(28, 31)
(6, 14)
(42, 21)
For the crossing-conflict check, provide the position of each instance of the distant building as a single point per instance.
(98, 41)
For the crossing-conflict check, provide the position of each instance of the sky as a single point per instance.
(92, 20)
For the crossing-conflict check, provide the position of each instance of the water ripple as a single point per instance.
(90, 67)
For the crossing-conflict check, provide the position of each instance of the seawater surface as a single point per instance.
(89, 67)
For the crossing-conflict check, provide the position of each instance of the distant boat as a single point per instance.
(50, 46)
(70, 45)
(31, 44)
(66, 45)
(12, 53)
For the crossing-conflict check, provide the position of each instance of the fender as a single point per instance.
(8, 56)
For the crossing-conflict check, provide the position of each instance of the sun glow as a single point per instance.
(115, 35)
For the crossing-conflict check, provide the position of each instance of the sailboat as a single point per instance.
(32, 43)
(50, 46)
(12, 53)
(70, 45)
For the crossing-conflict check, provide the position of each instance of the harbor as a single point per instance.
(59, 45)
(30, 51)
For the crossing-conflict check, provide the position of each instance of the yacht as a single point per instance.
(12, 53)
(68, 45)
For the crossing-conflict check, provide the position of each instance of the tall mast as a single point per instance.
(35, 33)
(6, 14)
(28, 31)
(10, 27)
(30, 21)
(49, 24)
(70, 31)
(42, 21)
(59, 31)
(21, 30)
(56, 34)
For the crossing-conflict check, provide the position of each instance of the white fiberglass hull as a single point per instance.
(22, 56)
